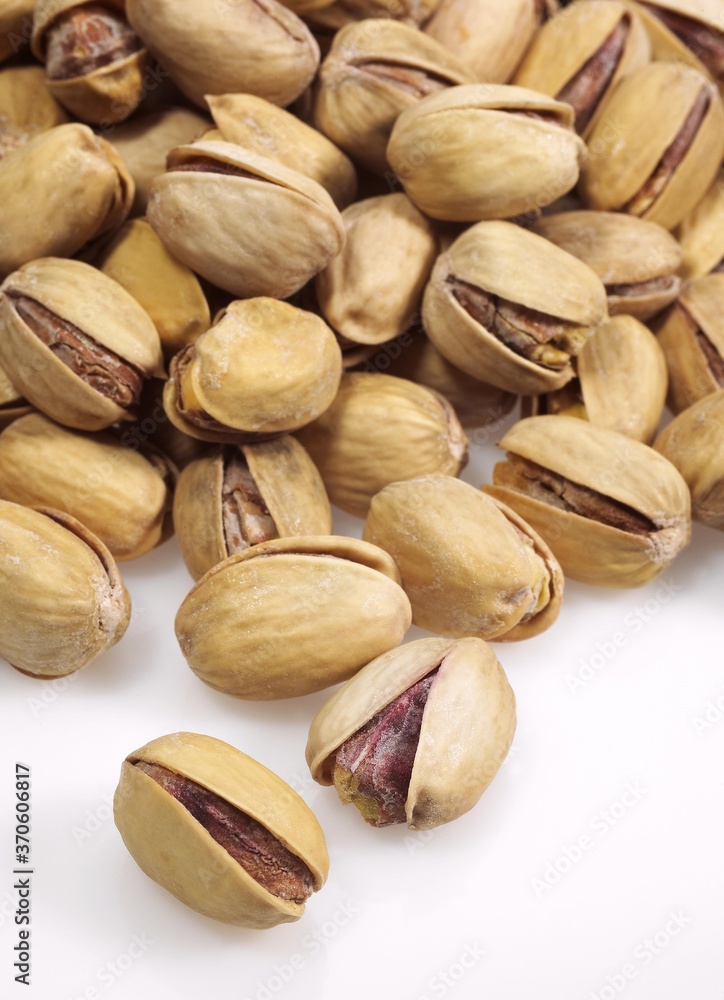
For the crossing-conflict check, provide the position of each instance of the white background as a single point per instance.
(592, 867)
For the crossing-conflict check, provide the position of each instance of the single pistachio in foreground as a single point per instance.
(418, 734)
(219, 831)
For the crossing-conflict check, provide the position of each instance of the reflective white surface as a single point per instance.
(591, 868)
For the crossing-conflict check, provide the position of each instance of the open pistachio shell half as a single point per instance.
(510, 308)
(220, 831)
(241, 496)
(335, 602)
(470, 566)
(62, 599)
(418, 734)
(613, 510)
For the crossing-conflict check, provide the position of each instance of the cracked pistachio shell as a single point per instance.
(701, 234)
(106, 95)
(248, 46)
(121, 494)
(27, 107)
(694, 443)
(16, 25)
(705, 20)
(643, 118)
(636, 260)
(292, 616)
(169, 291)
(640, 482)
(621, 382)
(473, 152)
(487, 36)
(69, 175)
(369, 297)
(102, 310)
(374, 71)
(176, 851)
(467, 728)
(264, 368)
(380, 429)
(144, 143)
(62, 599)
(505, 261)
(691, 334)
(476, 403)
(270, 131)
(563, 47)
(470, 566)
(289, 486)
(12, 404)
(266, 234)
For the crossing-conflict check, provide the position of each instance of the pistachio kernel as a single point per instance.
(85, 39)
(245, 516)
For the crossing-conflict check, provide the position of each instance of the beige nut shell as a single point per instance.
(467, 726)
(175, 850)
(62, 599)
(507, 261)
(465, 564)
(263, 235)
(616, 466)
(701, 234)
(288, 482)
(380, 429)
(98, 306)
(292, 616)
(121, 494)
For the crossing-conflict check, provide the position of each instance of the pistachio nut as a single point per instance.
(621, 382)
(336, 602)
(241, 496)
(692, 336)
(418, 734)
(122, 494)
(12, 404)
(612, 509)
(470, 565)
(687, 31)
(169, 291)
(62, 599)
(658, 147)
(476, 403)
(580, 55)
(263, 369)
(270, 131)
(378, 430)
(694, 443)
(27, 107)
(374, 70)
(144, 143)
(369, 297)
(512, 309)
(701, 234)
(16, 26)
(75, 343)
(68, 175)
(233, 46)
(244, 222)
(94, 63)
(486, 36)
(485, 151)
(220, 831)
(636, 260)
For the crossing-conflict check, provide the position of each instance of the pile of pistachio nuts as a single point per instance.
(262, 257)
